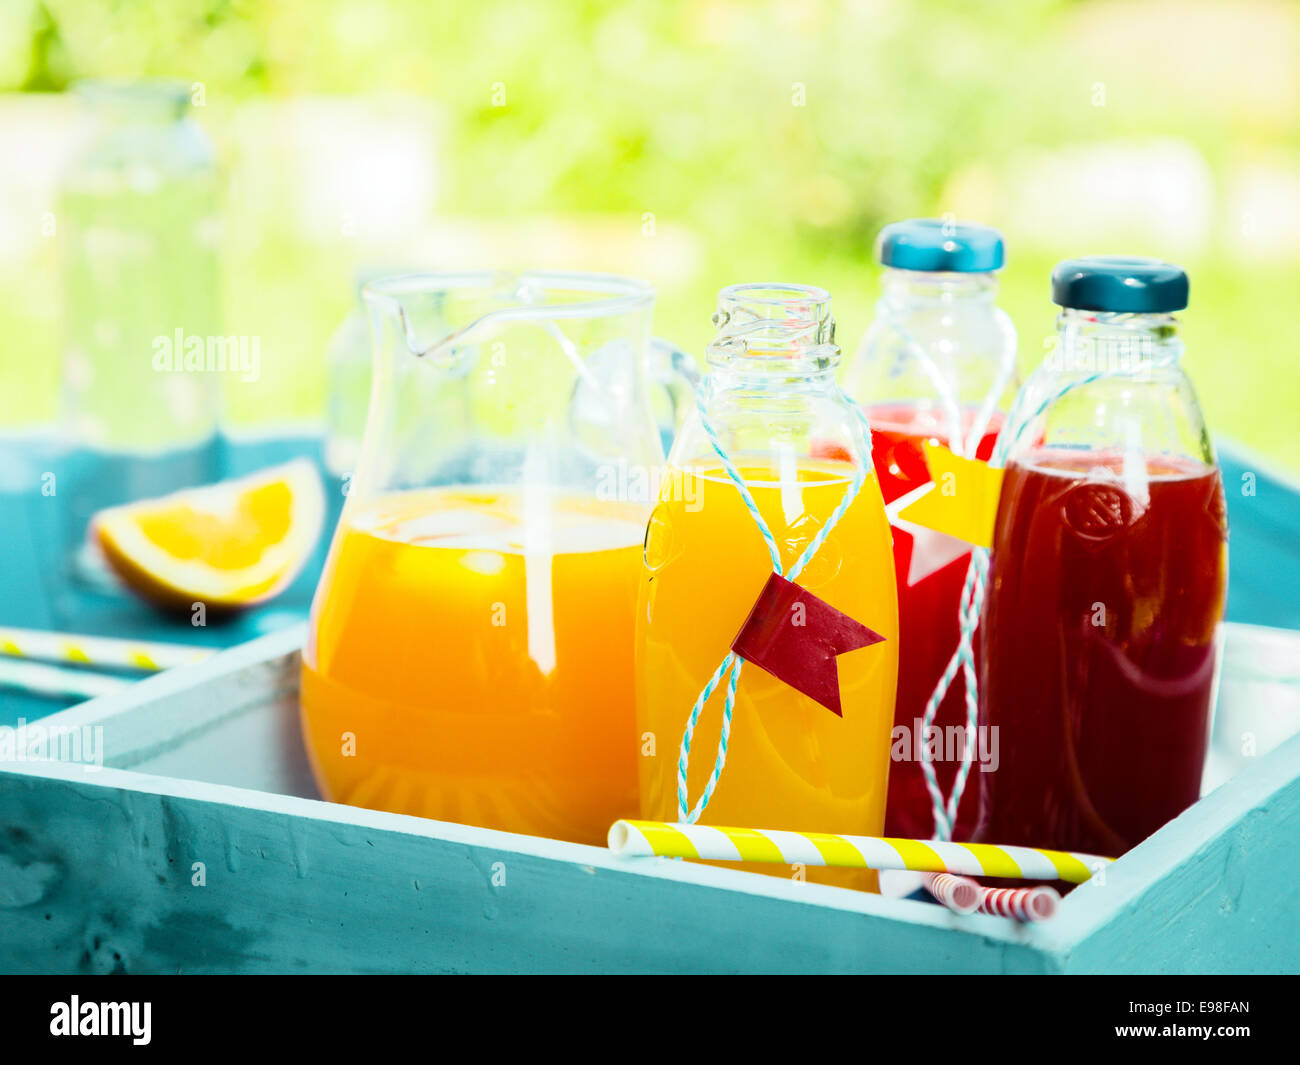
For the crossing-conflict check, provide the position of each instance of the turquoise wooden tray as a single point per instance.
(98, 866)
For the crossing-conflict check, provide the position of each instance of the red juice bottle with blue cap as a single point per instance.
(1107, 578)
(937, 364)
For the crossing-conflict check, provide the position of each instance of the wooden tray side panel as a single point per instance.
(97, 871)
(101, 878)
(1217, 890)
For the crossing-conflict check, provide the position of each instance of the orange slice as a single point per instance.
(231, 544)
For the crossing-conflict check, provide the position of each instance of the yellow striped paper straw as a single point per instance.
(57, 681)
(715, 844)
(148, 655)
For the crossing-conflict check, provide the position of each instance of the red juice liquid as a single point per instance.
(930, 575)
(1098, 638)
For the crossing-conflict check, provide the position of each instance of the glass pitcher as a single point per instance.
(469, 656)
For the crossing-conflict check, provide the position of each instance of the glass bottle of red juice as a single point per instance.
(937, 364)
(1108, 576)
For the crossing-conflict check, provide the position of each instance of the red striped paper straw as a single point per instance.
(960, 894)
(1022, 904)
(963, 895)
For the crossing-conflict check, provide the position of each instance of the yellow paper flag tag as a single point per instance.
(963, 499)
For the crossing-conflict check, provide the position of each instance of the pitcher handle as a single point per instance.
(674, 376)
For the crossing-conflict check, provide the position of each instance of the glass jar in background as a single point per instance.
(938, 363)
(143, 352)
(1108, 576)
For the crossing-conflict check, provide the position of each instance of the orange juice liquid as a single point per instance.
(791, 763)
(470, 659)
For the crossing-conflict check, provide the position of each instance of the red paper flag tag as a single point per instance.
(796, 637)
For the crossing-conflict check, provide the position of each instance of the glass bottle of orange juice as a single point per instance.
(469, 656)
(771, 414)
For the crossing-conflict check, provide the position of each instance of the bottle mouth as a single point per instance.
(1118, 320)
(937, 286)
(1114, 343)
(776, 322)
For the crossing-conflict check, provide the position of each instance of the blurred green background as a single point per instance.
(696, 143)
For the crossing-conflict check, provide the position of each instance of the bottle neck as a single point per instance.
(1115, 344)
(906, 289)
(773, 332)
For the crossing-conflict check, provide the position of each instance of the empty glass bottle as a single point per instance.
(143, 350)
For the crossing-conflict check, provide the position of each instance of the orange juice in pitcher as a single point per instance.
(433, 635)
(470, 652)
(772, 476)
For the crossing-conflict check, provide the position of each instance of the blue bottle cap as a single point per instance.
(1119, 284)
(931, 244)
